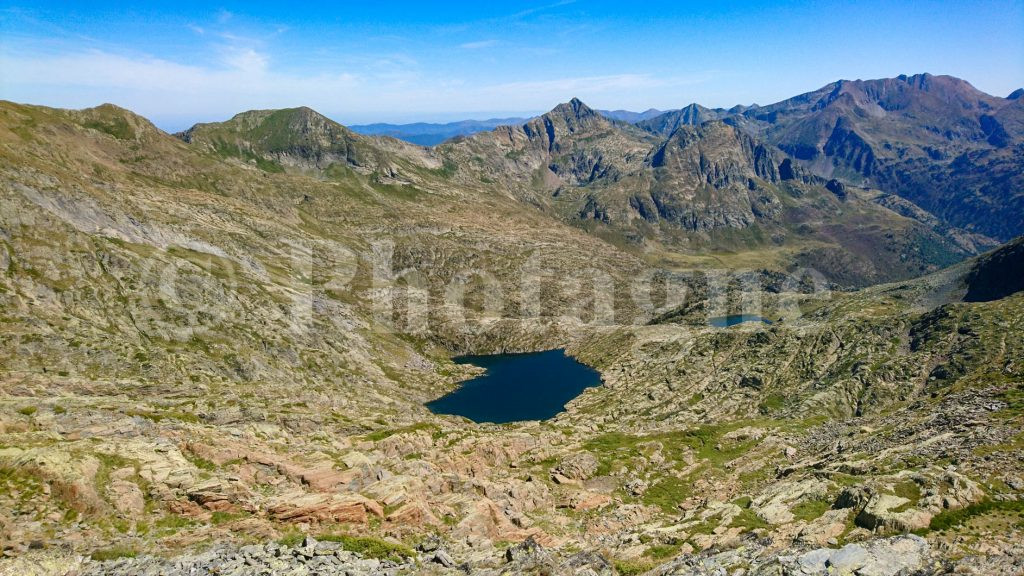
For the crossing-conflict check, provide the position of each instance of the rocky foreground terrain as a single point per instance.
(215, 350)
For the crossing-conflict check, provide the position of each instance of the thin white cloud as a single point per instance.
(245, 60)
(530, 11)
(478, 45)
(241, 76)
(159, 87)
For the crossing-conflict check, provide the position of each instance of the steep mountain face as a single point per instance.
(582, 146)
(711, 177)
(935, 140)
(698, 180)
(570, 144)
(998, 274)
(713, 187)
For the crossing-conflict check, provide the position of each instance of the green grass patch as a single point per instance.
(909, 490)
(200, 462)
(399, 191)
(447, 169)
(748, 520)
(109, 463)
(221, 517)
(667, 494)
(113, 553)
(808, 510)
(226, 150)
(370, 547)
(1014, 397)
(772, 403)
(382, 434)
(172, 523)
(609, 448)
(291, 539)
(28, 410)
(662, 551)
(948, 519)
(632, 567)
(702, 441)
(115, 126)
(743, 501)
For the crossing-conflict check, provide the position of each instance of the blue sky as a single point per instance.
(179, 63)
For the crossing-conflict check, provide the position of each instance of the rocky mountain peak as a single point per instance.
(568, 118)
(300, 137)
(573, 112)
(291, 122)
(690, 115)
(118, 122)
(306, 117)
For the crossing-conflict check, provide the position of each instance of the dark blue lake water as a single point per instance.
(517, 387)
(734, 319)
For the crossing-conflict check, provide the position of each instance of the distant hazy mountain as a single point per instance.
(692, 115)
(630, 116)
(429, 134)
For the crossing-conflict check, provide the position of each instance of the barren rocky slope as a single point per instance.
(201, 366)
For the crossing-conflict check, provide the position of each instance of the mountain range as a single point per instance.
(866, 159)
(216, 346)
(935, 141)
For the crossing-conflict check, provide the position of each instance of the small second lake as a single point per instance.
(517, 387)
(734, 319)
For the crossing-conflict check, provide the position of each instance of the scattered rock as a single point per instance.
(578, 466)
(883, 557)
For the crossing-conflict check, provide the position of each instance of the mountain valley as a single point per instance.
(217, 345)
